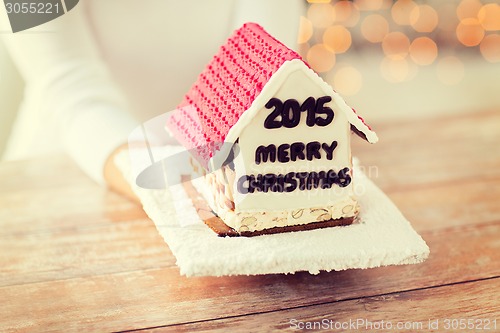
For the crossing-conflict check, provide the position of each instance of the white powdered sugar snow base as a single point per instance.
(382, 236)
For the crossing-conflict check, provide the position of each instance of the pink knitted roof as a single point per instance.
(226, 88)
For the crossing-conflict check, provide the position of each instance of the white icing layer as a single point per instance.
(260, 220)
(268, 92)
(267, 209)
(292, 85)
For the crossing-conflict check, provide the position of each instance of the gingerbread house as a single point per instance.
(271, 138)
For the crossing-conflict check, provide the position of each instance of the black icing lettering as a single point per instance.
(267, 182)
(291, 182)
(257, 183)
(283, 153)
(312, 180)
(321, 109)
(264, 154)
(332, 177)
(279, 184)
(243, 185)
(291, 113)
(301, 176)
(297, 151)
(309, 105)
(323, 176)
(344, 179)
(272, 119)
(329, 149)
(312, 150)
(252, 184)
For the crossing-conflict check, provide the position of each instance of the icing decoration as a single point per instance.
(260, 220)
(266, 129)
(288, 113)
(291, 181)
(229, 85)
(226, 88)
(295, 151)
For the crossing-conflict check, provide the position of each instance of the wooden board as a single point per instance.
(412, 311)
(75, 257)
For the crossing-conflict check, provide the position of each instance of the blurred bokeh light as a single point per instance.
(450, 70)
(490, 48)
(320, 58)
(424, 18)
(374, 28)
(423, 51)
(418, 45)
(337, 39)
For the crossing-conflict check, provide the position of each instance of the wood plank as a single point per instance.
(426, 310)
(159, 297)
(81, 252)
(45, 172)
(34, 197)
(26, 212)
(427, 207)
(47, 235)
(449, 205)
(425, 151)
(82, 249)
(36, 188)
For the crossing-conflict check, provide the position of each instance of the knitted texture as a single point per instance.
(226, 88)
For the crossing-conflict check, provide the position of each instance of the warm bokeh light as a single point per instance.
(320, 58)
(395, 45)
(470, 32)
(423, 51)
(347, 81)
(395, 70)
(489, 16)
(321, 15)
(412, 34)
(305, 30)
(337, 39)
(346, 13)
(468, 9)
(490, 48)
(372, 4)
(450, 70)
(303, 49)
(374, 28)
(401, 11)
(424, 18)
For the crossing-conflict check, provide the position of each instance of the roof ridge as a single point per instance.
(227, 87)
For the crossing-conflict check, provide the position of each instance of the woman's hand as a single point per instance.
(114, 177)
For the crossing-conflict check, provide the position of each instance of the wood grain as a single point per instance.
(450, 204)
(156, 297)
(80, 252)
(428, 151)
(416, 309)
(74, 256)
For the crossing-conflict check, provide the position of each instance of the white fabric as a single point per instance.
(384, 236)
(96, 72)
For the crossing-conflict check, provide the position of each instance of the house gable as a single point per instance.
(292, 81)
(226, 88)
(271, 88)
(214, 109)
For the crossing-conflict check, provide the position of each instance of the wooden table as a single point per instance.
(75, 257)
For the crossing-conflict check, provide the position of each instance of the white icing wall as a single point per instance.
(298, 84)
